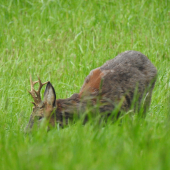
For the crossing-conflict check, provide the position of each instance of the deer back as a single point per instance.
(118, 78)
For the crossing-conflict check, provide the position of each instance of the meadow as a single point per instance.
(62, 41)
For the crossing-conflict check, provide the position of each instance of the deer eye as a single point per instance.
(41, 107)
(39, 117)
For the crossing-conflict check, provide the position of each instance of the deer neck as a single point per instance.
(68, 105)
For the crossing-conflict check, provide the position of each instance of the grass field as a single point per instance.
(62, 40)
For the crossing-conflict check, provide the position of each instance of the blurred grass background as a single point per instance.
(61, 41)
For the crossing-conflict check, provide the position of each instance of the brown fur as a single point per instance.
(92, 82)
(108, 85)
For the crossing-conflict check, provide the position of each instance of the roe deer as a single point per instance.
(118, 80)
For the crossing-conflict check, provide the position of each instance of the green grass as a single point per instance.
(62, 40)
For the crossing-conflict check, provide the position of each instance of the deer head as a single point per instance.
(41, 109)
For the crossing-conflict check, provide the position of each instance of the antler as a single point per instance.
(36, 94)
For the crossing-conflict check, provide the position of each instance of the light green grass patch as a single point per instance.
(61, 41)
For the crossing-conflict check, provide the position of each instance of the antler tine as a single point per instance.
(32, 92)
(32, 83)
(36, 94)
(41, 84)
(40, 87)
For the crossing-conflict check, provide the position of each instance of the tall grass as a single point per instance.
(62, 40)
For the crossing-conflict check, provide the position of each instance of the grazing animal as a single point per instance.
(115, 82)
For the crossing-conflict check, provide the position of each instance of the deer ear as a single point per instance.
(49, 94)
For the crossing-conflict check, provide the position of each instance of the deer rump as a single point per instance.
(119, 80)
